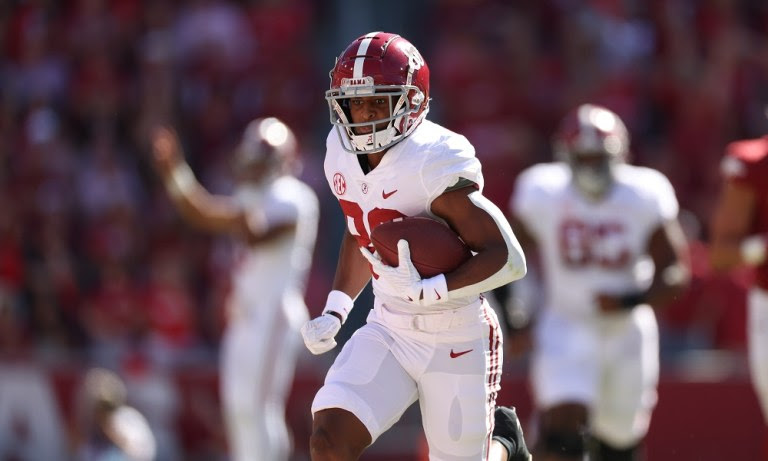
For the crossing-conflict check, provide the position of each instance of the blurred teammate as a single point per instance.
(739, 236)
(274, 215)
(433, 340)
(610, 249)
(109, 428)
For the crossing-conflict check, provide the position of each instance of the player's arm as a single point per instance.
(216, 213)
(498, 258)
(667, 248)
(515, 313)
(731, 245)
(352, 270)
(352, 275)
(504, 293)
(484, 228)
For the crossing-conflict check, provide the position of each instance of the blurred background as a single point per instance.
(98, 270)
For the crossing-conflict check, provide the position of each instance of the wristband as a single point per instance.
(338, 303)
(434, 290)
(180, 181)
(630, 300)
(754, 250)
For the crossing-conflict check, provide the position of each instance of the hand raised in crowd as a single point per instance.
(166, 149)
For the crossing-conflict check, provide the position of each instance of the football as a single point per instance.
(435, 247)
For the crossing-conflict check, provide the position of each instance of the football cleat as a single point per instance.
(508, 431)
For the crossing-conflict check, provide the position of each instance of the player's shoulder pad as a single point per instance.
(333, 150)
(651, 186)
(445, 157)
(544, 177)
(438, 140)
(537, 185)
(643, 179)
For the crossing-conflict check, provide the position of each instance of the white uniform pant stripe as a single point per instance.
(494, 375)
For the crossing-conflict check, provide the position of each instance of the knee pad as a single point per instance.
(564, 443)
(601, 451)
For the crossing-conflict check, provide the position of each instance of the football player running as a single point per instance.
(610, 250)
(434, 340)
(273, 216)
(739, 236)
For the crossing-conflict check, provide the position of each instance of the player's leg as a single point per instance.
(241, 361)
(337, 434)
(758, 353)
(622, 414)
(601, 451)
(458, 388)
(758, 346)
(563, 432)
(278, 377)
(564, 377)
(365, 392)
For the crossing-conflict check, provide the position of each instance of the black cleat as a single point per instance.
(508, 432)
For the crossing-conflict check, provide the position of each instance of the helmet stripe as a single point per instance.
(360, 59)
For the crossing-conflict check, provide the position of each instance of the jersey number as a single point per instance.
(356, 220)
(602, 245)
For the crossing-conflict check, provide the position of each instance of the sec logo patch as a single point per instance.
(339, 184)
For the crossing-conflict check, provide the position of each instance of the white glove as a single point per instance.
(319, 333)
(404, 280)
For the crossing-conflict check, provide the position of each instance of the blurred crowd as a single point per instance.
(96, 267)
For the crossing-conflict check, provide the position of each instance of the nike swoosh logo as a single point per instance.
(438, 295)
(459, 354)
(386, 195)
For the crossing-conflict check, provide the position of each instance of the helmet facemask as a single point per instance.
(592, 173)
(405, 102)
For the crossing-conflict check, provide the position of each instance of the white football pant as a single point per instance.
(610, 363)
(257, 367)
(450, 362)
(758, 345)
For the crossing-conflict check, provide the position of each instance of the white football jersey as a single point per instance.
(271, 272)
(410, 176)
(588, 247)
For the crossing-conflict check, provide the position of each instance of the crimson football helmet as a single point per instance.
(592, 139)
(379, 63)
(267, 147)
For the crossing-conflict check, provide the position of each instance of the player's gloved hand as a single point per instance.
(404, 280)
(319, 333)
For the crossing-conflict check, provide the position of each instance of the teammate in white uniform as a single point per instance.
(274, 216)
(434, 340)
(610, 249)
